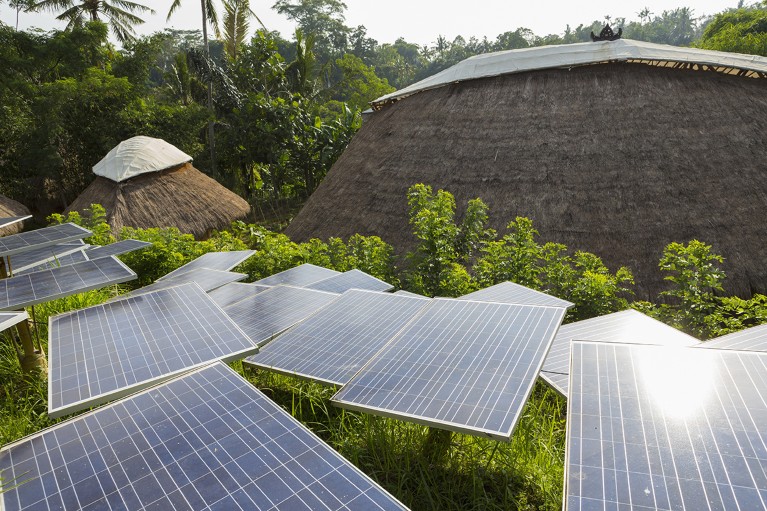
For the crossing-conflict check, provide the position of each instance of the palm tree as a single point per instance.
(235, 25)
(119, 14)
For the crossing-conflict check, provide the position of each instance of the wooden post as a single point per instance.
(31, 360)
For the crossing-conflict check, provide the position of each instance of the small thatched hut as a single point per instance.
(617, 148)
(11, 208)
(146, 182)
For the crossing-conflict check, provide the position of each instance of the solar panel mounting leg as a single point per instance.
(32, 360)
(437, 444)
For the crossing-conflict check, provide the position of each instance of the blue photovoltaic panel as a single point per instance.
(352, 279)
(45, 257)
(116, 248)
(105, 352)
(207, 440)
(46, 285)
(9, 319)
(269, 313)
(24, 241)
(222, 261)
(65, 260)
(459, 365)
(333, 344)
(10, 220)
(629, 326)
(207, 279)
(408, 293)
(299, 276)
(656, 427)
(232, 293)
(510, 292)
(750, 339)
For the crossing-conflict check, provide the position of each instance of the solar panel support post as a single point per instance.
(32, 360)
(3, 271)
(437, 444)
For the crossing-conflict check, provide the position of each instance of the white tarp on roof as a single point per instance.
(139, 155)
(569, 55)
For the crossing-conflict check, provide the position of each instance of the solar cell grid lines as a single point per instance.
(269, 313)
(206, 278)
(629, 326)
(65, 260)
(408, 293)
(46, 285)
(107, 351)
(352, 279)
(232, 293)
(655, 427)
(750, 339)
(29, 240)
(39, 257)
(459, 365)
(299, 276)
(9, 319)
(116, 248)
(10, 220)
(333, 344)
(205, 440)
(222, 261)
(510, 292)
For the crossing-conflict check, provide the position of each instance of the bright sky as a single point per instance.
(419, 21)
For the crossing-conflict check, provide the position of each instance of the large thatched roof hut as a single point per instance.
(617, 148)
(146, 182)
(12, 208)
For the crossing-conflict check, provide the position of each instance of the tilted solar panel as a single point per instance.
(408, 293)
(299, 276)
(510, 292)
(269, 313)
(232, 293)
(628, 326)
(205, 440)
(352, 279)
(656, 427)
(750, 339)
(206, 278)
(333, 344)
(46, 285)
(10, 220)
(459, 365)
(66, 260)
(9, 319)
(29, 240)
(110, 350)
(222, 261)
(116, 248)
(41, 257)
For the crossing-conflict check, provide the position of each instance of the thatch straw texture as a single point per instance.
(9, 208)
(618, 159)
(181, 197)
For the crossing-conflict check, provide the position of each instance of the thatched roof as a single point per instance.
(618, 159)
(180, 197)
(12, 208)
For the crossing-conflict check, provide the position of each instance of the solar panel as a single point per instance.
(459, 365)
(9, 319)
(110, 350)
(116, 248)
(408, 293)
(207, 279)
(24, 241)
(10, 220)
(232, 293)
(510, 292)
(206, 440)
(352, 279)
(222, 261)
(629, 326)
(333, 344)
(750, 339)
(656, 427)
(65, 260)
(269, 313)
(40, 257)
(299, 276)
(46, 285)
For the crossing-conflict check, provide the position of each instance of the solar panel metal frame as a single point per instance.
(45, 278)
(226, 261)
(511, 292)
(9, 319)
(666, 450)
(206, 278)
(29, 240)
(518, 400)
(352, 279)
(408, 293)
(204, 439)
(555, 370)
(116, 248)
(312, 328)
(298, 276)
(42, 256)
(93, 400)
(10, 220)
(749, 339)
(234, 292)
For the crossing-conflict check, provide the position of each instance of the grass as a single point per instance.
(425, 469)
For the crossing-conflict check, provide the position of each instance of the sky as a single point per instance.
(418, 21)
